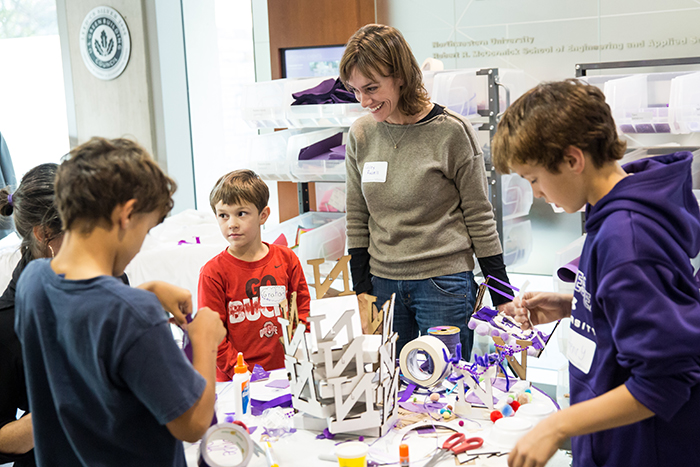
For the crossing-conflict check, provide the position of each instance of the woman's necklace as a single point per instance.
(396, 143)
(418, 118)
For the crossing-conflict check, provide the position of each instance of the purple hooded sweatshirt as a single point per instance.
(636, 315)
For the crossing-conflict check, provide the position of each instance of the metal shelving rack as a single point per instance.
(492, 114)
(583, 68)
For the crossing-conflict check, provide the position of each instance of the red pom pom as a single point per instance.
(515, 405)
(495, 415)
(461, 423)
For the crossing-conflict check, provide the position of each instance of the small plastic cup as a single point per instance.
(352, 454)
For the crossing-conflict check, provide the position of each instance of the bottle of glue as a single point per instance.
(241, 386)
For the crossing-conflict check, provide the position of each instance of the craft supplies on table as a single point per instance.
(302, 448)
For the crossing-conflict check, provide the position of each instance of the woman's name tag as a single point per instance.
(374, 172)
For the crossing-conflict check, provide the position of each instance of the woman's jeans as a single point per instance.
(422, 304)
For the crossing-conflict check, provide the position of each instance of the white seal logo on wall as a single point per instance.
(104, 42)
(268, 330)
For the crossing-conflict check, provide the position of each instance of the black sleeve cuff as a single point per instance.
(359, 268)
(495, 267)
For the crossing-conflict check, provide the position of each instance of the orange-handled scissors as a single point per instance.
(456, 444)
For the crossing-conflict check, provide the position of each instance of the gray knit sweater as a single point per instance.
(432, 214)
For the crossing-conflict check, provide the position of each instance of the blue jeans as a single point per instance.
(422, 304)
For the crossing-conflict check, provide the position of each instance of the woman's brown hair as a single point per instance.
(376, 49)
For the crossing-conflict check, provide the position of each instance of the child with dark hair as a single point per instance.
(107, 384)
(635, 311)
(231, 282)
(39, 226)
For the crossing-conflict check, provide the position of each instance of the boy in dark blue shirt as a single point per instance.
(635, 312)
(107, 384)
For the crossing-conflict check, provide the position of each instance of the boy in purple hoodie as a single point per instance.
(634, 346)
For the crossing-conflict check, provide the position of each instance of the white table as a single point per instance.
(302, 449)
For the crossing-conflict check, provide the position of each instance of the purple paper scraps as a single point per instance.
(417, 407)
(567, 273)
(259, 374)
(278, 383)
(325, 434)
(408, 392)
(258, 407)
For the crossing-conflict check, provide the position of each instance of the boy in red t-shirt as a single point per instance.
(231, 282)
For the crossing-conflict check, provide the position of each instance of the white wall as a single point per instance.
(546, 39)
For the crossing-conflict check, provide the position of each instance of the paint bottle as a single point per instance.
(241, 386)
(403, 455)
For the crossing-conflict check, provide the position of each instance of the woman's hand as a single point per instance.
(175, 300)
(541, 307)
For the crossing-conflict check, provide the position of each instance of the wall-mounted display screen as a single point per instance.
(305, 62)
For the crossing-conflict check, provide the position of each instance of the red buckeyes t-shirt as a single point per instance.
(232, 288)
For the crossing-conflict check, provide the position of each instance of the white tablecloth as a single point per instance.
(302, 449)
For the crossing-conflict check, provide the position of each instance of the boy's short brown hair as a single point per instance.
(101, 174)
(238, 187)
(538, 127)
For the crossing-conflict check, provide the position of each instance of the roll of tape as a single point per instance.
(226, 445)
(415, 369)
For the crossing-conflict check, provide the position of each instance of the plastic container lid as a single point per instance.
(240, 367)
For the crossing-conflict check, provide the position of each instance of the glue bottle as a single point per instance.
(241, 386)
(403, 455)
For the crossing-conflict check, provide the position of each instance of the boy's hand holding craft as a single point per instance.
(535, 308)
(175, 300)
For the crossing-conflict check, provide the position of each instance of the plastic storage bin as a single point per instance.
(642, 103)
(264, 104)
(684, 105)
(516, 194)
(325, 240)
(517, 241)
(459, 90)
(268, 104)
(631, 107)
(315, 170)
(267, 155)
(465, 92)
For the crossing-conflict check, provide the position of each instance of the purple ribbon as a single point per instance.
(257, 407)
(407, 392)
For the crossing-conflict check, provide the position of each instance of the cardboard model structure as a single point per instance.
(342, 379)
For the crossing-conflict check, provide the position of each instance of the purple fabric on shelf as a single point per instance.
(324, 87)
(319, 148)
(329, 91)
(259, 374)
(278, 383)
(567, 273)
(258, 407)
(338, 152)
